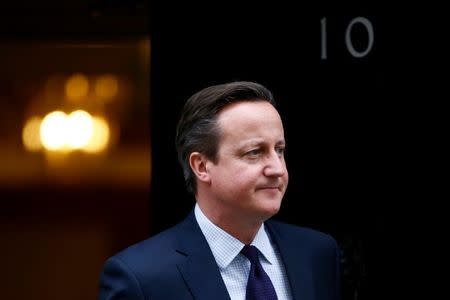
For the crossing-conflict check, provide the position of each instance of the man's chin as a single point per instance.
(271, 208)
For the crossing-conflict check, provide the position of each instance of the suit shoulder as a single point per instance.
(158, 250)
(145, 270)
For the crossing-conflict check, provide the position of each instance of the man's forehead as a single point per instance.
(238, 107)
(248, 114)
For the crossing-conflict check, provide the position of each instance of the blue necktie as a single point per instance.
(259, 286)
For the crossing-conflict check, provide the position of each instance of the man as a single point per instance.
(230, 141)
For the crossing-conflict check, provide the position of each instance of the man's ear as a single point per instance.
(198, 163)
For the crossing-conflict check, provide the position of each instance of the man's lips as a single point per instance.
(277, 187)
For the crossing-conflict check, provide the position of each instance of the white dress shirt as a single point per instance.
(235, 267)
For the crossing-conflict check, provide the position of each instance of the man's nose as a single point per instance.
(275, 166)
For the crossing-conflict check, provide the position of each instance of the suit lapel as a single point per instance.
(199, 269)
(296, 263)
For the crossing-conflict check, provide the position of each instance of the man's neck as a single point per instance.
(241, 227)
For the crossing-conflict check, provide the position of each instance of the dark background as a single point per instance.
(362, 134)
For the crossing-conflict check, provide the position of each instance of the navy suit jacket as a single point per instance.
(178, 264)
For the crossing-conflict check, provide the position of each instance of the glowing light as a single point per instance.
(79, 129)
(53, 130)
(30, 134)
(100, 137)
(77, 87)
(106, 87)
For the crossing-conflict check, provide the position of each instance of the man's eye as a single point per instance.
(254, 152)
(280, 150)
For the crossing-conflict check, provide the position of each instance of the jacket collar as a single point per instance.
(295, 259)
(199, 269)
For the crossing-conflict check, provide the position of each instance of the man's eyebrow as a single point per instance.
(258, 142)
(251, 142)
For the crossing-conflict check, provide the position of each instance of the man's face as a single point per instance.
(250, 176)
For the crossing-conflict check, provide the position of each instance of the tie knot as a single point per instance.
(251, 252)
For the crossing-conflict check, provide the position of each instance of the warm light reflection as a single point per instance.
(77, 87)
(30, 134)
(79, 129)
(106, 87)
(100, 136)
(53, 130)
(61, 132)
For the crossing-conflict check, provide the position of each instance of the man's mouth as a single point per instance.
(277, 187)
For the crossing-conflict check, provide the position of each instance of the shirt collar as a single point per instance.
(225, 247)
(264, 245)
